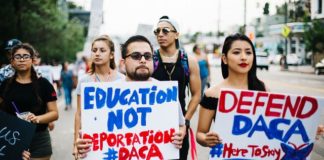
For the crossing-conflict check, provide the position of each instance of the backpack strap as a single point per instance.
(184, 62)
(156, 59)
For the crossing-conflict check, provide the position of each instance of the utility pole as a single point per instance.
(244, 26)
(218, 18)
(285, 65)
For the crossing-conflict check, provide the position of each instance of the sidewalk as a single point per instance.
(307, 69)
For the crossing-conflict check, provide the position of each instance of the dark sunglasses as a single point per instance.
(23, 56)
(138, 56)
(164, 30)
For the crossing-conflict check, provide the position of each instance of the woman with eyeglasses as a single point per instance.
(103, 69)
(40, 100)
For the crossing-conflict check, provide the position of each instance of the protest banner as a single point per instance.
(15, 136)
(130, 120)
(264, 125)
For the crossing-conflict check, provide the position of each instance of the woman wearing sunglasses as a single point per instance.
(40, 100)
(103, 69)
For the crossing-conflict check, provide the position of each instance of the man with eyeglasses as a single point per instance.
(174, 64)
(137, 57)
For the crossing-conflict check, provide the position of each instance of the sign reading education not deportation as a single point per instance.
(264, 125)
(130, 120)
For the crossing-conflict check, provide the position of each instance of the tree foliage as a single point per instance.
(44, 25)
(314, 36)
(266, 9)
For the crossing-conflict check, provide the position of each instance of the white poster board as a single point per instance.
(130, 120)
(264, 125)
(46, 72)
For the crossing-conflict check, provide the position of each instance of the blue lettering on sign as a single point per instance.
(99, 98)
(133, 99)
(130, 119)
(144, 92)
(88, 98)
(243, 124)
(152, 95)
(112, 99)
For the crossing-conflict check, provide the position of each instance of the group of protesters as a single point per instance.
(141, 63)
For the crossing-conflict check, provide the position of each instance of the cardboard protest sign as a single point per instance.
(130, 120)
(15, 136)
(264, 125)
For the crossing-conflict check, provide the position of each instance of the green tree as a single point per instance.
(43, 25)
(266, 9)
(314, 36)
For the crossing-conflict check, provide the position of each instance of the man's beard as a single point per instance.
(140, 76)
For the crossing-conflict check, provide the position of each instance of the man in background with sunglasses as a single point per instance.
(175, 65)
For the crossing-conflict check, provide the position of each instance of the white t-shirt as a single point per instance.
(89, 78)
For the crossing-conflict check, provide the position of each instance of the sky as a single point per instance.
(121, 17)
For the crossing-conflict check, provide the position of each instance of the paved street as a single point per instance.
(282, 82)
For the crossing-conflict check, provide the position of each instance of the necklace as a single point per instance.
(169, 59)
(98, 79)
(172, 70)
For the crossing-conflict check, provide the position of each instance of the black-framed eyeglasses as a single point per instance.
(164, 30)
(138, 56)
(18, 57)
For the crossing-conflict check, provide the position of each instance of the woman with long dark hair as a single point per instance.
(239, 72)
(30, 93)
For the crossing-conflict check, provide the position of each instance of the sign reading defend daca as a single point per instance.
(264, 125)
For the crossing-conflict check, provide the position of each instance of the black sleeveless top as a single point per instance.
(209, 102)
(177, 75)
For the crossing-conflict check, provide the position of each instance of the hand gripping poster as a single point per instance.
(265, 125)
(130, 120)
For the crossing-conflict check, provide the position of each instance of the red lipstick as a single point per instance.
(243, 65)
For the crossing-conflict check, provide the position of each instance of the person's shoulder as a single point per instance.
(213, 91)
(192, 59)
(86, 78)
(120, 76)
(44, 81)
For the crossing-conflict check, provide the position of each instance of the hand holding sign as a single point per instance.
(320, 132)
(83, 146)
(26, 155)
(212, 139)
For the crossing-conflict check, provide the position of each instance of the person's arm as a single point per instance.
(195, 87)
(77, 125)
(50, 116)
(203, 136)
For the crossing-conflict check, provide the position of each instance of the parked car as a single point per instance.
(293, 59)
(262, 60)
(319, 67)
